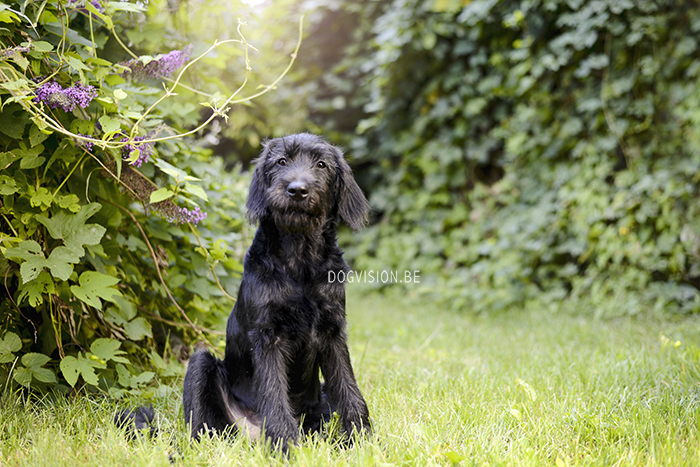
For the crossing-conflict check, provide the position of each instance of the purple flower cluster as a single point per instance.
(160, 66)
(190, 215)
(53, 95)
(81, 143)
(6, 53)
(146, 149)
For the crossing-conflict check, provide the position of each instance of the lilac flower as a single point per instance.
(146, 149)
(53, 95)
(160, 66)
(81, 94)
(81, 143)
(193, 216)
(7, 53)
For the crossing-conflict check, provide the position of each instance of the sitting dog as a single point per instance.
(289, 320)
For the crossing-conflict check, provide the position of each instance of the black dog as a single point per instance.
(289, 320)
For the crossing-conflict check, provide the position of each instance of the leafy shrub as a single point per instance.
(120, 235)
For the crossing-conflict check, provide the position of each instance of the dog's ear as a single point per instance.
(352, 204)
(257, 200)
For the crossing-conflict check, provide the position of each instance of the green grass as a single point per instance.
(529, 388)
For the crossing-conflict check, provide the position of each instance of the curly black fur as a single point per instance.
(288, 323)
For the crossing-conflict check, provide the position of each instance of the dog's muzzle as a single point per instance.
(298, 190)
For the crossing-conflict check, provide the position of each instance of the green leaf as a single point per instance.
(72, 367)
(32, 369)
(6, 357)
(124, 315)
(31, 252)
(71, 228)
(69, 368)
(23, 376)
(72, 35)
(109, 125)
(36, 136)
(161, 195)
(58, 262)
(40, 198)
(108, 349)
(31, 268)
(177, 174)
(44, 375)
(13, 119)
(70, 202)
(42, 46)
(119, 94)
(15, 85)
(141, 379)
(31, 162)
(76, 64)
(8, 186)
(218, 250)
(138, 328)
(195, 190)
(19, 59)
(527, 389)
(454, 456)
(7, 158)
(35, 360)
(124, 375)
(35, 289)
(26, 249)
(9, 344)
(95, 285)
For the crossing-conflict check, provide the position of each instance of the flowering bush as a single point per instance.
(120, 237)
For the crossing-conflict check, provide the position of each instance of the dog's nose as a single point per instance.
(298, 190)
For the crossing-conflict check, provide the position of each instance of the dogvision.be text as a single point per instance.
(370, 277)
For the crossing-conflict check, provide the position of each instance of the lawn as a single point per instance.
(528, 388)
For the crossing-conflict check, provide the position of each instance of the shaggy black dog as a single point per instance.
(289, 320)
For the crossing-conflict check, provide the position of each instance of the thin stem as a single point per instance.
(69, 174)
(116, 36)
(92, 36)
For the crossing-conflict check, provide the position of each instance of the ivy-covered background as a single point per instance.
(516, 153)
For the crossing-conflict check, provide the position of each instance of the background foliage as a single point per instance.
(521, 151)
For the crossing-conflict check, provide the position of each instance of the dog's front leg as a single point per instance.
(272, 389)
(342, 388)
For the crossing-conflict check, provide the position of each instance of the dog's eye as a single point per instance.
(321, 165)
(282, 161)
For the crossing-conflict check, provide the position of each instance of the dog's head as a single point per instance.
(300, 181)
